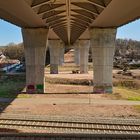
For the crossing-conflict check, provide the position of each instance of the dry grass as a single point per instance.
(69, 67)
(125, 93)
(137, 108)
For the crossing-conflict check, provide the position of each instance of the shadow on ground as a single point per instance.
(10, 87)
(76, 93)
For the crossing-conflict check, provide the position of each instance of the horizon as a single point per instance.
(22, 42)
(128, 31)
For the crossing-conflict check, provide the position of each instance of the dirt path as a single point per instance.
(73, 100)
(61, 100)
(73, 105)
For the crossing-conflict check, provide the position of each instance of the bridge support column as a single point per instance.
(103, 46)
(55, 49)
(77, 53)
(62, 51)
(84, 53)
(35, 41)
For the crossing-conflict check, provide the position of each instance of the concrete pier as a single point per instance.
(35, 40)
(103, 46)
(77, 53)
(55, 53)
(84, 53)
(62, 51)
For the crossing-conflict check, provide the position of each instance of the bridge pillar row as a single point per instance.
(55, 53)
(77, 53)
(84, 53)
(35, 40)
(62, 51)
(103, 47)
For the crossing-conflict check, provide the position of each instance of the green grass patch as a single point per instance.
(11, 86)
(134, 98)
(126, 93)
(23, 96)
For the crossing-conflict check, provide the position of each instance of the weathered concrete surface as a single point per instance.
(77, 53)
(103, 45)
(53, 68)
(56, 52)
(35, 41)
(72, 25)
(62, 51)
(84, 53)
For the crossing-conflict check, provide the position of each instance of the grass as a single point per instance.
(70, 67)
(67, 81)
(2, 105)
(126, 93)
(128, 83)
(137, 108)
(11, 86)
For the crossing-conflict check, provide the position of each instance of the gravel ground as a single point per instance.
(39, 107)
(80, 110)
(73, 105)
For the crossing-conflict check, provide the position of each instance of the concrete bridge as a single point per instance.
(69, 23)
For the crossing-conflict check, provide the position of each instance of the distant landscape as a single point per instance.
(126, 81)
(124, 47)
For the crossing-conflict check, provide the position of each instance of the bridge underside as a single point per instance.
(69, 19)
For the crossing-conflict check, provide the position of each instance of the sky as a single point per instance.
(10, 33)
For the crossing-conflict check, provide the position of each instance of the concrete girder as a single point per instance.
(34, 13)
(52, 14)
(87, 7)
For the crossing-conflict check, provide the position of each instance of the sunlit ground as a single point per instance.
(68, 94)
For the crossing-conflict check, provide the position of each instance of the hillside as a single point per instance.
(124, 48)
(128, 48)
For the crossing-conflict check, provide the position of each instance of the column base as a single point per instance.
(83, 69)
(54, 69)
(40, 88)
(102, 89)
(35, 89)
(30, 89)
(83, 72)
